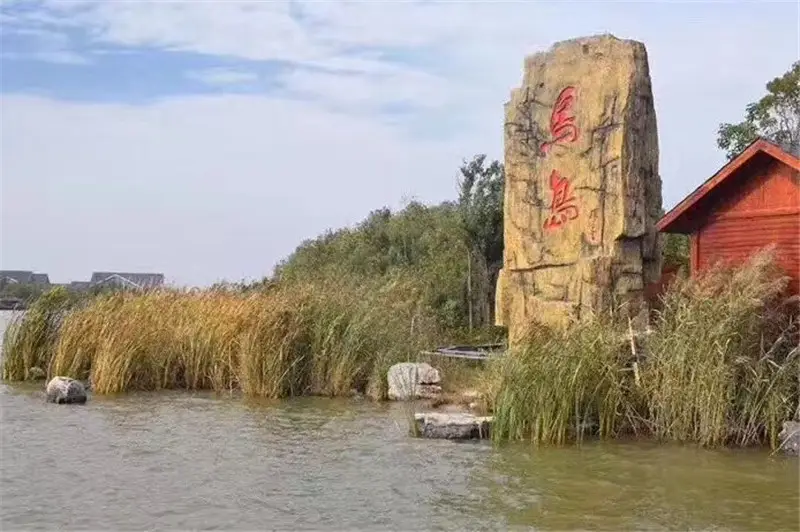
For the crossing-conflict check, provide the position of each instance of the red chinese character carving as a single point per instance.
(562, 207)
(562, 122)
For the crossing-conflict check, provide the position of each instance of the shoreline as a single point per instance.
(410, 409)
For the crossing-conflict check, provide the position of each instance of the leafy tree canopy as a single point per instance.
(776, 117)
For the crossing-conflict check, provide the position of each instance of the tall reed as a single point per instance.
(325, 338)
(561, 382)
(723, 363)
(720, 365)
(30, 338)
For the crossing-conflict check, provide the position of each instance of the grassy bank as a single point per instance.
(719, 366)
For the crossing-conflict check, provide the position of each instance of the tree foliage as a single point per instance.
(776, 117)
(423, 242)
(676, 250)
(480, 202)
(446, 248)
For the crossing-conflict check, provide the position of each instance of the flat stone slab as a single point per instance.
(453, 425)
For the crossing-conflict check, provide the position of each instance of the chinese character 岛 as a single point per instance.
(562, 207)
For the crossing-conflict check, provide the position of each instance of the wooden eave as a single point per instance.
(670, 222)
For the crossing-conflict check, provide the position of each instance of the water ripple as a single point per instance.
(197, 461)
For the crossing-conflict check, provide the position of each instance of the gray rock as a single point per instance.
(413, 380)
(64, 390)
(453, 426)
(790, 438)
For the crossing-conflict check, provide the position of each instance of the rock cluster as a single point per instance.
(64, 390)
(582, 191)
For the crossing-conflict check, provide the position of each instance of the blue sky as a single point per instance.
(206, 139)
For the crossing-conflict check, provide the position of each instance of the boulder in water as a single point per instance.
(790, 438)
(64, 390)
(413, 380)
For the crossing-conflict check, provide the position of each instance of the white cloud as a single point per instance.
(63, 57)
(360, 93)
(223, 76)
(197, 187)
(201, 187)
(45, 44)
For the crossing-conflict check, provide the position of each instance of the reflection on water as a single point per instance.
(200, 461)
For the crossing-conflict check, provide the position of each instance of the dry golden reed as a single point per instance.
(297, 339)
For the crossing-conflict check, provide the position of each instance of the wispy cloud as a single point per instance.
(363, 103)
(64, 57)
(31, 39)
(223, 77)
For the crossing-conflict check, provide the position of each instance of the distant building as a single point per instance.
(131, 281)
(23, 277)
(753, 201)
(79, 286)
(138, 281)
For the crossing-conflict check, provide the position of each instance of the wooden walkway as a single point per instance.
(469, 352)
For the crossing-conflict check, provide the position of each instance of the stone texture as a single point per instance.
(582, 193)
(790, 438)
(413, 380)
(452, 426)
(63, 390)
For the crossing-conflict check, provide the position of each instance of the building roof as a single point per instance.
(17, 276)
(24, 277)
(136, 280)
(671, 221)
(41, 278)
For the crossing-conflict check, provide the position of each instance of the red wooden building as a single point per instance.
(753, 201)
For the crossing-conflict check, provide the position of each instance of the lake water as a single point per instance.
(178, 461)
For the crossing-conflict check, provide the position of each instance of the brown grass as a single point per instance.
(295, 339)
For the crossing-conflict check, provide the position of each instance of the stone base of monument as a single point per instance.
(790, 438)
(64, 390)
(452, 426)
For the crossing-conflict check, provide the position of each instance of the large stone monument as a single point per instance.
(582, 192)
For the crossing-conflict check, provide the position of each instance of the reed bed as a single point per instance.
(719, 366)
(299, 339)
(562, 383)
(722, 363)
(30, 338)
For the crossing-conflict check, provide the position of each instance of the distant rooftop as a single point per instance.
(135, 280)
(125, 279)
(24, 277)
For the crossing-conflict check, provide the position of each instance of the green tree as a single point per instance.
(480, 201)
(452, 250)
(775, 117)
(676, 250)
(422, 242)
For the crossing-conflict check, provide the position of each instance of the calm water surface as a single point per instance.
(199, 461)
